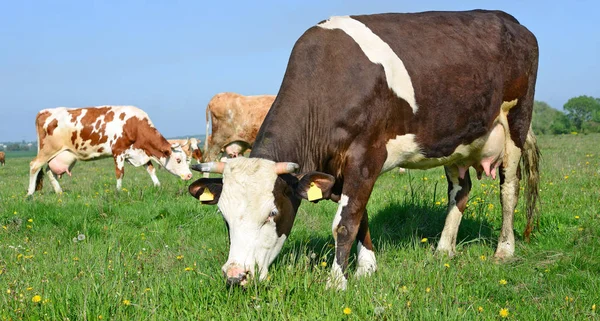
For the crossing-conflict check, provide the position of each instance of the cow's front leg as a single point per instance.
(152, 171)
(119, 170)
(509, 194)
(360, 175)
(366, 257)
(458, 195)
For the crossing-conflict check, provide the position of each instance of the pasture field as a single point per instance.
(147, 253)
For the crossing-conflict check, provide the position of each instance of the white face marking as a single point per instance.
(246, 201)
(378, 52)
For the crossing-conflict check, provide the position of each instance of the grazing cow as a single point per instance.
(2, 158)
(126, 133)
(364, 94)
(190, 147)
(235, 122)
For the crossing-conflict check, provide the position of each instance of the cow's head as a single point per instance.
(175, 162)
(258, 199)
(196, 152)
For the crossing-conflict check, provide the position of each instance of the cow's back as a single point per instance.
(235, 117)
(88, 132)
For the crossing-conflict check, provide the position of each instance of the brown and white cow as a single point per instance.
(126, 133)
(364, 94)
(190, 147)
(235, 122)
(2, 158)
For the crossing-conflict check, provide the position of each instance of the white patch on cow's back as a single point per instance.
(378, 52)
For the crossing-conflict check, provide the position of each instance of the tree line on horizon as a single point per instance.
(581, 115)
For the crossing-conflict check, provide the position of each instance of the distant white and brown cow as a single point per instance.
(190, 147)
(364, 94)
(234, 120)
(126, 133)
(2, 158)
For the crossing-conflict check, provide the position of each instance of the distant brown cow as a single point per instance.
(190, 148)
(2, 158)
(235, 122)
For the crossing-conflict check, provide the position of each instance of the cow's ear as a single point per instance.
(207, 190)
(315, 186)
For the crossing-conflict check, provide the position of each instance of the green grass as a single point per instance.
(156, 253)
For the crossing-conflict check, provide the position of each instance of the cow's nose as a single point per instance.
(187, 176)
(236, 276)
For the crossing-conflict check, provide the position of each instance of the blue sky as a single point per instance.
(170, 57)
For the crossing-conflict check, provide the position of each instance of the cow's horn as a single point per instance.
(286, 168)
(212, 167)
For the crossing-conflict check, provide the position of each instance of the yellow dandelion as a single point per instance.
(126, 302)
(576, 217)
(189, 269)
(447, 265)
(75, 259)
(408, 304)
(566, 176)
(323, 264)
(424, 240)
(29, 288)
(483, 258)
(29, 226)
(147, 290)
(347, 311)
(4, 227)
(504, 313)
(502, 282)
(15, 213)
(100, 317)
(8, 291)
(425, 178)
(36, 299)
(480, 309)
(428, 290)
(580, 229)
(438, 203)
(404, 288)
(593, 307)
(30, 220)
(179, 257)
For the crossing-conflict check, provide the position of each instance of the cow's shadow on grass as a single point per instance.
(401, 225)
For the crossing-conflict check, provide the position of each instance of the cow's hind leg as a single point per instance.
(35, 176)
(366, 263)
(152, 172)
(509, 194)
(458, 195)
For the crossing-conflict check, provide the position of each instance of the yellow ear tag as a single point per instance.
(207, 195)
(314, 193)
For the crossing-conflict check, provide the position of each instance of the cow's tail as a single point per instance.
(208, 129)
(530, 166)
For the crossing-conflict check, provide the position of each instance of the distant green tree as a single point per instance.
(547, 120)
(581, 110)
(561, 125)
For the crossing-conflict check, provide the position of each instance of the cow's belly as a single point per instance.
(485, 154)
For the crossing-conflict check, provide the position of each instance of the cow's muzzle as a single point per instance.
(236, 276)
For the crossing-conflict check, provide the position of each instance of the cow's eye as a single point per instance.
(179, 161)
(273, 213)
